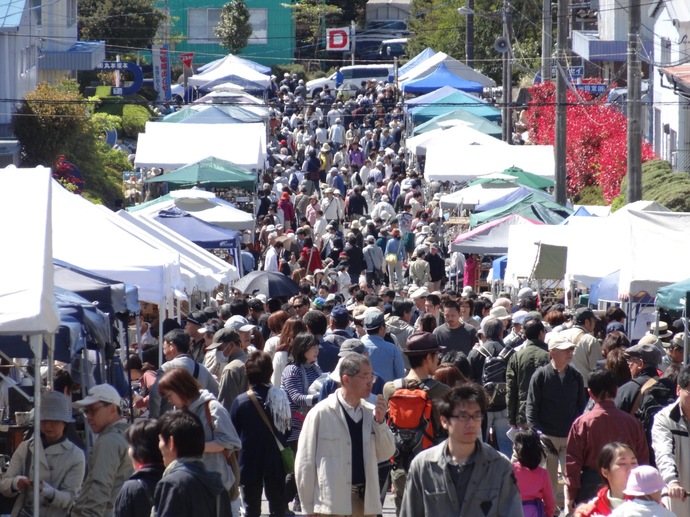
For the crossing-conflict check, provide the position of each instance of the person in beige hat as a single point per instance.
(62, 463)
(109, 464)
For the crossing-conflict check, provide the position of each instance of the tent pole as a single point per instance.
(37, 348)
(160, 335)
(51, 359)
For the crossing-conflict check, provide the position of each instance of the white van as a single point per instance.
(352, 77)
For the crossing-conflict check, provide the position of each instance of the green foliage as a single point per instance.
(617, 203)
(57, 120)
(290, 68)
(590, 195)
(661, 184)
(437, 24)
(132, 109)
(125, 25)
(310, 17)
(234, 29)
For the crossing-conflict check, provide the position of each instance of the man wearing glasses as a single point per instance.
(462, 475)
(300, 305)
(109, 463)
(643, 359)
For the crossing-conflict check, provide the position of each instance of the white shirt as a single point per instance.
(271, 260)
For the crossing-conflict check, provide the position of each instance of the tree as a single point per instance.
(55, 124)
(234, 29)
(437, 24)
(124, 25)
(310, 18)
(596, 142)
(661, 184)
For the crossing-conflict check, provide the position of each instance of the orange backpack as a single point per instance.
(409, 418)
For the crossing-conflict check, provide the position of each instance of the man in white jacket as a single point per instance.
(342, 441)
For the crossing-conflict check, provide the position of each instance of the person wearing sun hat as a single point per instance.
(644, 491)
(62, 462)
(109, 463)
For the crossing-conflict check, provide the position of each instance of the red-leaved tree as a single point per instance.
(596, 141)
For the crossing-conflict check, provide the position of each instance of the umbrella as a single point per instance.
(273, 285)
(210, 172)
(289, 243)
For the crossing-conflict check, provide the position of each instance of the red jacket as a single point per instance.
(598, 506)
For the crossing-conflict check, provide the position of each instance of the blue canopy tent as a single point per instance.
(673, 296)
(440, 77)
(447, 99)
(202, 234)
(413, 62)
(580, 212)
(517, 195)
(111, 296)
(499, 267)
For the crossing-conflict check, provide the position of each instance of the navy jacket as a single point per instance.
(136, 496)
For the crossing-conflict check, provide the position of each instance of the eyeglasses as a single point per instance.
(297, 306)
(91, 410)
(365, 376)
(466, 417)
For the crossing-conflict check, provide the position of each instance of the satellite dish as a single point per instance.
(501, 45)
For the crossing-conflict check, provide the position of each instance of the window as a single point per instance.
(665, 51)
(71, 12)
(36, 8)
(258, 18)
(200, 25)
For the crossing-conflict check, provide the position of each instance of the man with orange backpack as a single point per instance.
(415, 423)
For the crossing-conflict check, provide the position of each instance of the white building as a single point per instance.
(671, 19)
(38, 42)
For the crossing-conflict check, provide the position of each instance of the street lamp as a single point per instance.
(502, 46)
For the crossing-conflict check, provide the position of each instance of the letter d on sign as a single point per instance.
(338, 39)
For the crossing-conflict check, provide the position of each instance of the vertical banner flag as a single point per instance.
(161, 71)
(338, 39)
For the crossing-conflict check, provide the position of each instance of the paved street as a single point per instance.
(388, 507)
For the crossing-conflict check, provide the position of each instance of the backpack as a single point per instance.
(409, 418)
(494, 375)
(294, 182)
(652, 400)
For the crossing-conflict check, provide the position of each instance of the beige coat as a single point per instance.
(322, 467)
(62, 467)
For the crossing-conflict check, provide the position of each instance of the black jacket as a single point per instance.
(437, 266)
(554, 404)
(136, 496)
(357, 204)
(625, 398)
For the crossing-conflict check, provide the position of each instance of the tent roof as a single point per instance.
(217, 114)
(580, 211)
(416, 60)
(172, 146)
(459, 117)
(210, 172)
(456, 135)
(468, 162)
(458, 68)
(441, 76)
(199, 232)
(511, 197)
(531, 246)
(262, 69)
(211, 210)
(27, 305)
(477, 194)
(527, 178)
(533, 206)
(230, 69)
(673, 296)
(450, 99)
(490, 238)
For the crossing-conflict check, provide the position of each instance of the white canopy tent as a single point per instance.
(229, 69)
(474, 195)
(466, 162)
(458, 68)
(203, 205)
(459, 135)
(27, 301)
(171, 146)
(530, 245)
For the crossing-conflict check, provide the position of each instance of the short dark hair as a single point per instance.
(316, 321)
(602, 383)
(470, 392)
(390, 293)
(239, 307)
(302, 342)
(181, 382)
(259, 368)
(372, 300)
(452, 304)
(684, 377)
(533, 327)
(615, 314)
(187, 430)
(528, 448)
(142, 437)
(179, 338)
(402, 307)
(256, 305)
(459, 359)
(62, 380)
(434, 299)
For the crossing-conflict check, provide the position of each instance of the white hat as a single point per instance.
(261, 297)
(519, 317)
(99, 393)
(240, 324)
(420, 293)
(500, 313)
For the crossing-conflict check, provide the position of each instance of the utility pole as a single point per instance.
(546, 40)
(507, 73)
(634, 105)
(561, 43)
(353, 41)
(469, 35)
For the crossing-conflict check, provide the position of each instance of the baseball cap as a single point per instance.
(373, 320)
(351, 346)
(223, 336)
(560, 343)
(583, 314)
(197, 318)
(519, 317)
(99, 393)
(239, 323)
(525, 292)
(340, 314)
(650, 354)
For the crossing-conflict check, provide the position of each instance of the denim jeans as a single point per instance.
(499, 421)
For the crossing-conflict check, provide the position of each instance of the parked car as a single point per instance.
(352, 77)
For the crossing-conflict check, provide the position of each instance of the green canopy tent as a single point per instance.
(521, 177)
(532, 206)
(673, 296)
(210, 172)
(462, 116)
